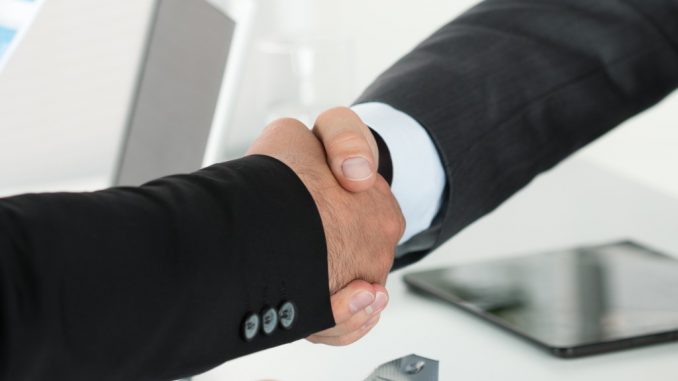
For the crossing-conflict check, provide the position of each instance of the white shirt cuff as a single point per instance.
(418, 175)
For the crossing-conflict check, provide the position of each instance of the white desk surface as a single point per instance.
(574, 204)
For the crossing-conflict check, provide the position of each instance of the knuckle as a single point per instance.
(348, 139)
(383, 264)
(402, 224)
(394, 226)
(285, 123)
(388, 264)
(382, 187)
(348, 144)
(332, 114)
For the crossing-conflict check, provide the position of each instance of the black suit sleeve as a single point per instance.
(153, 283)
(512, 87)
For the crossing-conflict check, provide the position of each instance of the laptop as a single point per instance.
(181, 93)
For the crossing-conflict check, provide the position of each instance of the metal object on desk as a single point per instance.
(407, 368)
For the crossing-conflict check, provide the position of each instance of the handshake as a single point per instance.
(337, 162)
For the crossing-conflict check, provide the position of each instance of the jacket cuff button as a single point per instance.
(287, 314)
(250, 326)
(269, 319)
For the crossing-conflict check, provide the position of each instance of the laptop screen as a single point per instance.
(177, 91)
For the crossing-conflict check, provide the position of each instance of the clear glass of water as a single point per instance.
(301, 77)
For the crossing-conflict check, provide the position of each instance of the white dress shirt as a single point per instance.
(418, 175)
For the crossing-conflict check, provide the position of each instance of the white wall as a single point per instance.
(64, 96)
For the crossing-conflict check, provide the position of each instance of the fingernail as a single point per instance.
(360, 301)
(356, 168)
(378, 305)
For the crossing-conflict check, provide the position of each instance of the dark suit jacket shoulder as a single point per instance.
(153, 283)
(512, 87)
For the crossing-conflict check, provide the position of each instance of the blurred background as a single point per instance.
(65, 98)
(65, 92)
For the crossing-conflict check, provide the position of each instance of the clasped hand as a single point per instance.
(362, 221)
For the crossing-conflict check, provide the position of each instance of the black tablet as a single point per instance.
(573, 302)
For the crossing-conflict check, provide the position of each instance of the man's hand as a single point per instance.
(356, 308)
(350, 147)
(361, 229)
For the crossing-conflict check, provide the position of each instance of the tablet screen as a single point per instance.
(570, 298)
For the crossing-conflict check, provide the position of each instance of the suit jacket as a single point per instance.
(512, 87)
(154, 282)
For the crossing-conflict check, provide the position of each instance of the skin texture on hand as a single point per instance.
(361, 229)
(350, 147)
(356, 308)
(352, 154)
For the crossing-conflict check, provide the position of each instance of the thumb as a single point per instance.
(353, 298)
(350, 147)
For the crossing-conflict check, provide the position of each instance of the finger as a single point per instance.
(283, 138)
(350, 148)
(346, 339)
(353, 298)
(358, 320)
